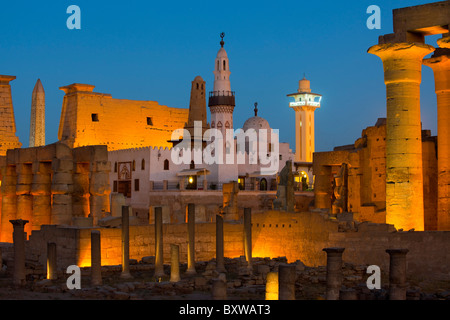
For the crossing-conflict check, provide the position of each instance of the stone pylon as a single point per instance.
(8, 137)
(37, 122)
(440, 63)
(404, 171)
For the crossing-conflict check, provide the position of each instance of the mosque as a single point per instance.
(160, 155)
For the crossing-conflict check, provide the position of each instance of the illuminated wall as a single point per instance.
(296, 236)
(91, 118)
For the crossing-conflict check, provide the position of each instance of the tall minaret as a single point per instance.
(221, 99)
(221, 104)
(37, 123)
(197, 109)
(304, 106)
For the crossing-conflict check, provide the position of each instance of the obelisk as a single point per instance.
(37, 123)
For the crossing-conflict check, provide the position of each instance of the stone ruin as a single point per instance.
(55, 185)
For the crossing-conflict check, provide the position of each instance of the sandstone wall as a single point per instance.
(297, 236)
(91, 118)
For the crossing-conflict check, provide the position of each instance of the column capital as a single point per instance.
(19, 222)
(444, 42)
(402, 62)
(440, 61)
(333, 250)
(397, 251)
(402, 50)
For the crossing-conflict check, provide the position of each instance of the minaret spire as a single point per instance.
(222, 35)
(256, 109)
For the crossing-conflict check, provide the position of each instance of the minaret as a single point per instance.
(8, 138)
(197, 109)
(221, 100)
(221, 105)
(37, 123)
(304, 106)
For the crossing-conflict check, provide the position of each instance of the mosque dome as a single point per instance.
(256, 122)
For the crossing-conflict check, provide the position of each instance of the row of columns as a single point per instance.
(397, 274)
(402, 64)
(279, 285)
(52, 192)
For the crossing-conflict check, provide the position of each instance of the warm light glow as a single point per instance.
(191, 180)
(304, 103)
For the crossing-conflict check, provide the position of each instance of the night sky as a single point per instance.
(152, 50)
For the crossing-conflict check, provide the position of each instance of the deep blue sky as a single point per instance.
(152, 50)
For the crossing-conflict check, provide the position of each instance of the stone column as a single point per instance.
(51, 261)
(42, 196)
(159, 258)
(397, 274)
(404, 172)
(19, 252)
(125, 243)
(322, 187)
(286, 282)
(9, 201)
(248, 237)
(440, 63)
(99, 190)
(219, 288)
(191, 239)
(334, 272)
(96, 258)
(80, 195)
(220, 264)
(174, 263)
(272, 286)
(23, 192)
(62, 188)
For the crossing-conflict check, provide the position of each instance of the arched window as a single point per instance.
(227, 125)
(224, 65)
(143, 164)
(218, 65)
(166, 164)
(115, 166)
(213, 124)
(263, 184)
(219, 125)
(134, 165)
(197, 86)
(192, 165)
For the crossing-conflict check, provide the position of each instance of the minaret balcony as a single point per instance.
(226, 98)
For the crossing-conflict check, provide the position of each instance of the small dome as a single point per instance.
(256, 123)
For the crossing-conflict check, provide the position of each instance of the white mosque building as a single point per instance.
(136, 172)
